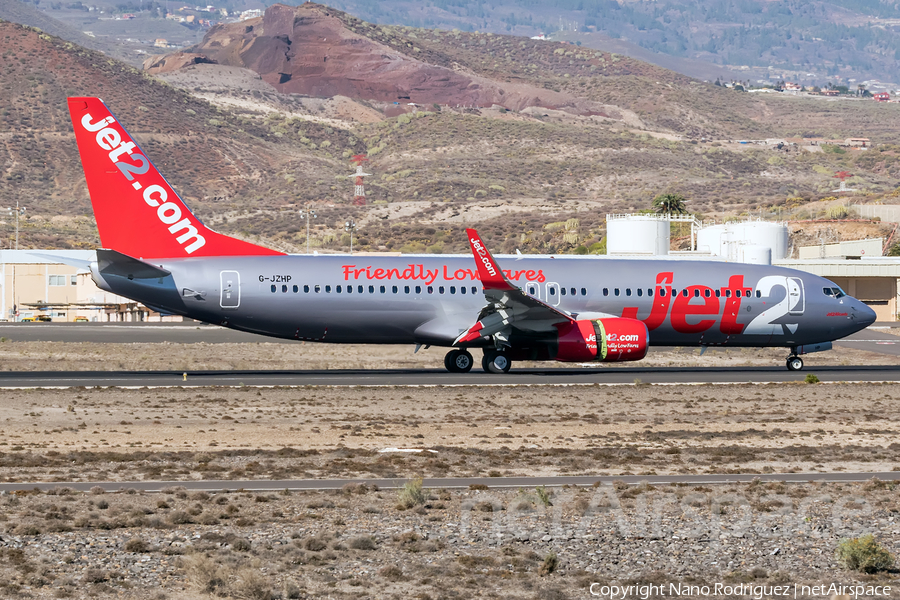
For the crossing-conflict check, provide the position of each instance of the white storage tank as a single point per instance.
(637, 234)
(756, 255)
(729, 240)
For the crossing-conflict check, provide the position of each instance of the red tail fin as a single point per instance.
(492, 278)
(138, 213)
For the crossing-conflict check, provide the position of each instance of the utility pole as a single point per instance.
(309, 214)
(18, 212)
(351, 227)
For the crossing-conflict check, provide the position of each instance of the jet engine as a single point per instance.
(608, 340)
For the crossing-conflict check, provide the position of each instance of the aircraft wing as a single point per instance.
(508, 306)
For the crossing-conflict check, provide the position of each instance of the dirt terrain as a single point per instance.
(494, 542)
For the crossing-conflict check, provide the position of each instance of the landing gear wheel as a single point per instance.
(458, 361)
(794, 363)
(495, 362)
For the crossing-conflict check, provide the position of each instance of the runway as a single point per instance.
(874, 339)
(450, 482)
(435, 377)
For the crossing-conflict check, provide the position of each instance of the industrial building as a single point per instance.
(33, 283)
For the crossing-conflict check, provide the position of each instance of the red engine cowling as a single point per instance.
(609, 340)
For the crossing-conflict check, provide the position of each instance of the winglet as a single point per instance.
(492, 278)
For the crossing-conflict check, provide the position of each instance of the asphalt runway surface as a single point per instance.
(875, 339)
(450, 482)
(434, 377)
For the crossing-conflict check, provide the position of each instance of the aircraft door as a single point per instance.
(552, 294)
(796, 297)
(230, 289)
(533, 289)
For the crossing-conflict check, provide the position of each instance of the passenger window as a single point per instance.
(758, 294)
(685, 292)
(552, 291)
(662, 292)
(707, 293)
(318, 289)
(562, 291)
(327, 289)
(748, 293)
(462, 289)
(696, 293)
(405, 289)
(452, 289)
(718, 293)
(583, 291)
(640, 292)
(349, 289)
(605, 291)
(430, 289)
(284, 289)
(627, 291)
(728, 293)
(650, 292)
(371, 289)
(296, 289)
(338, 289)
(359, 289)
(394, 289)
(418, 289)
(381, 289)
(572, 291)
(273, 288)
(441, 290)
(305, 289)
(616, 291)
(474, 290)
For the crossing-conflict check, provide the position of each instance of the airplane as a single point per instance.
(564, 308)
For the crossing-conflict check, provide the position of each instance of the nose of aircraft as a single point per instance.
(865, 316)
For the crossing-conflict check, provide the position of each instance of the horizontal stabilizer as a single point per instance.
(65, 260)
(110, 262)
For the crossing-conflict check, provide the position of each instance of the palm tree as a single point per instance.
(670, 204)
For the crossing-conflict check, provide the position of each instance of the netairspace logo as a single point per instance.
(757, 592)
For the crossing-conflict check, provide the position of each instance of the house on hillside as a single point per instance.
(881, 97)
(857, 142)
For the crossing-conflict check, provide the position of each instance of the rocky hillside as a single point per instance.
(247, 157)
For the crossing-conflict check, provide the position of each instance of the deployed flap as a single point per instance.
(509, 307)
(110, 262)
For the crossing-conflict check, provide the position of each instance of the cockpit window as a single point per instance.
(834, 292)
(828, 291)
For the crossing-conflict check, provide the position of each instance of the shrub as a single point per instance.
(363, 542)
(550, 563)
(412, 493)
(811, 378)
(391, 573)
(543, 495)
(864, 554)
(136, 544)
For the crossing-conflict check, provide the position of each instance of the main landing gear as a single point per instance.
(458, 361)
(794, 363)
(493, 361)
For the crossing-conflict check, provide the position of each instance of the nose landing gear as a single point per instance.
(794, 363)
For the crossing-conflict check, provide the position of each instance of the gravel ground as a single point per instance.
(363, 543)
(494, 543)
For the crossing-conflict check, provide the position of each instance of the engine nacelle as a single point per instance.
(609, 340)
